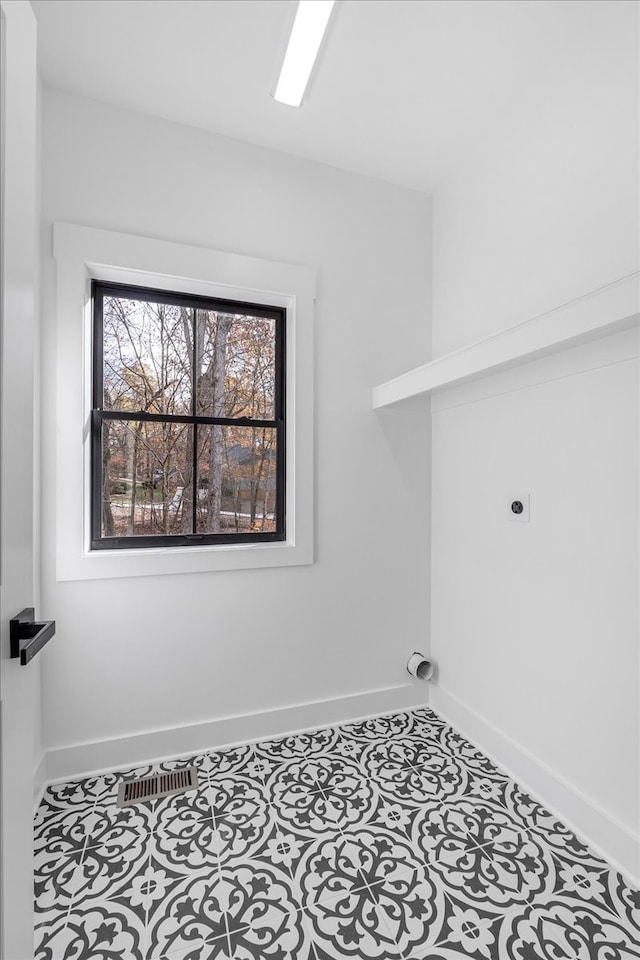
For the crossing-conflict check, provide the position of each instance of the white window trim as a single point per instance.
(84, 254)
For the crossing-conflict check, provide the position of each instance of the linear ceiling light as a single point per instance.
(312, 17)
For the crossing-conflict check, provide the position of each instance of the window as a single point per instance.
(87, 258)
(187, 422)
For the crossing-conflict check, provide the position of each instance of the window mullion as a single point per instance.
(98, 350)
(194, 409)
(96, 475)
(97, 387)
(186, 418)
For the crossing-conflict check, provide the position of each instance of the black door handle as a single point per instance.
(28, 637)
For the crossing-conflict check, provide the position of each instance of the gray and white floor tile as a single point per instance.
(392, 838)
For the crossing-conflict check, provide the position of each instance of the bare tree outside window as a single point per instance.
(188, 427)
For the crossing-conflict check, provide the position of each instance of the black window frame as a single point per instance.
(100, 289)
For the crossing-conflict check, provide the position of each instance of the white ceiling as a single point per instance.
(402, 87)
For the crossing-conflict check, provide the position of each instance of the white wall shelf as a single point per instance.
(604, 311)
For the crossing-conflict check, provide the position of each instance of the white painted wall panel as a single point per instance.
(535, 627)
(148, 653)
(547, 210)
(20, 742)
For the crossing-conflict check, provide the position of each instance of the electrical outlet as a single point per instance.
(518, 508)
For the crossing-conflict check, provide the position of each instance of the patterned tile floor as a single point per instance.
(391, 838)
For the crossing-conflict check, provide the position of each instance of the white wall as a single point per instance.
(233, 643)
(535, 628)
(547, 210)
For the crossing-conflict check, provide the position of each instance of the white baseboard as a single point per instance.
(122, 752)
(607, 835)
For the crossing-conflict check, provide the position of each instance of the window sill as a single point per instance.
(158, 561)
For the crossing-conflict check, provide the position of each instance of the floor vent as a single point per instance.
(159, 785)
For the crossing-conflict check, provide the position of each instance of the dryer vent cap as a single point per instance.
(419, 667)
